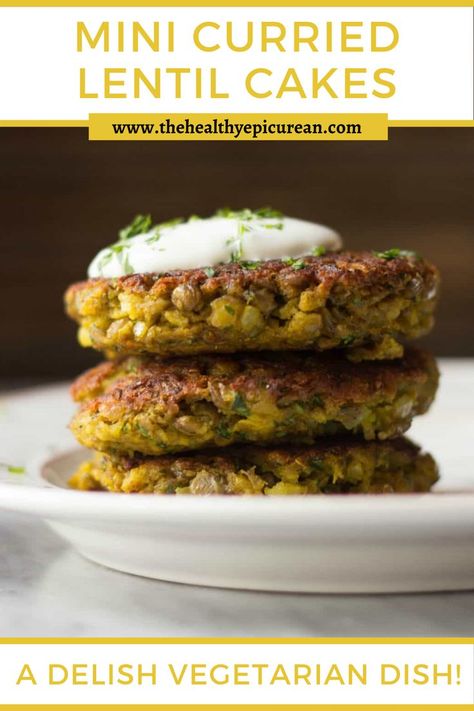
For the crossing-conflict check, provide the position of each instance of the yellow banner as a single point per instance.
(238, 127)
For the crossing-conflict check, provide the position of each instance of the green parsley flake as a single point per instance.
(395, 252)
(266, 212)
(126, 264)
(154, 237)
(245, 217)
(223, 431)
(173, 222)
(296, 264)
(139, 225)
(247, 220)
(316, 463)
(12, 468)
(143, 431)
(240, 406)
(318, 251)
(274, 226)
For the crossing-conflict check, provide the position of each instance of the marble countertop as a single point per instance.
(46, 589)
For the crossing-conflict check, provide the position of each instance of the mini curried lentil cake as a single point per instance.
(362, 301)
(143, 404)
(332, 466)
(265, 372)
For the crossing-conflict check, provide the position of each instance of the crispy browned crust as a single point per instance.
(349, 269)
(339, 300)
(151, 406)
(337, 465)
(338, 446)
(137, 381)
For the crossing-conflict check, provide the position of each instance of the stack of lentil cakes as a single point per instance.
(245, 375)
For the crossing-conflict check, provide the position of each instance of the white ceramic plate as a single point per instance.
(345, 544)
(330, 544)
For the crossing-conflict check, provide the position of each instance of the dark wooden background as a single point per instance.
(62, 198)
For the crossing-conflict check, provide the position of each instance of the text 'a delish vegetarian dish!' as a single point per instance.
(248, 354)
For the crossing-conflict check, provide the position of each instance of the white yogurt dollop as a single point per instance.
(241, 236)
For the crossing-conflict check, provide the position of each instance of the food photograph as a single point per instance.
(236, 386)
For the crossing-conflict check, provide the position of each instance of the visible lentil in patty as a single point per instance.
(335, 466)
(358, 301)
(144, 404)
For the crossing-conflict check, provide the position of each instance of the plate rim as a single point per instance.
(36, 495)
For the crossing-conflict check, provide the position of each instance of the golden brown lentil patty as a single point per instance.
(339, 300)
(332, 466)
(143, 404)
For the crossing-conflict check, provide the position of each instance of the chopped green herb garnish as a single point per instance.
(143, 223)
(127, 266)
(16, 470)
(274, 226)
(295, 263)
(139, 225)
(224, 212)
(105, 259)
(223, 431)
(250, 265)
(245, 223)
(143, 431)
(171, 223)
(112, 249)
(265, 212)
(229, 310)
(299, 264)
(393, 253)
(240, 406)
(209, 271)
(245, 214)
(348, 340)
(318, 251)
(12, 468)
(117, 248)
(154, 237)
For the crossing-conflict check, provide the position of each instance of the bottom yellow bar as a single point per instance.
(238, 127)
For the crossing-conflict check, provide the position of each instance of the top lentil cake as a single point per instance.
(319, 299)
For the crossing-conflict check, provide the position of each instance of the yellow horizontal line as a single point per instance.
(240, 707)
(236, 640)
